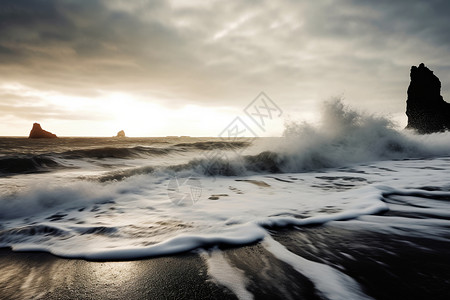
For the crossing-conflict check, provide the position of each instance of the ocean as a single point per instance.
(353, 175)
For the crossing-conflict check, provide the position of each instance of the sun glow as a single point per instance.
(110, 111)
(136, 117)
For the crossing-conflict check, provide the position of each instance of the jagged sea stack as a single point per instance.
(38, 133)
(426, 109)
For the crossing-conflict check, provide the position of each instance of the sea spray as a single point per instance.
(343, 137)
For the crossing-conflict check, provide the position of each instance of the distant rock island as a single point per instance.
(38, 133)
(121, 134)
(426, 109)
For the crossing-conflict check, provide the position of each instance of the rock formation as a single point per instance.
(38, 133)
(121, 134)
(426, 109)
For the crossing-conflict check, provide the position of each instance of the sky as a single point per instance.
(157, 68)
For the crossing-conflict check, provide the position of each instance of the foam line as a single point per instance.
(322, 219)
(225, 274)
(329, 282)
(243, 236)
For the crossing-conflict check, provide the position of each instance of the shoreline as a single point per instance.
(40, 275)
(385, 266)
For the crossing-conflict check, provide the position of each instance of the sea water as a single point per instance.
(129, 198)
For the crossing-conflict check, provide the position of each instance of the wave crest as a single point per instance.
(343, 137)
(22, 164)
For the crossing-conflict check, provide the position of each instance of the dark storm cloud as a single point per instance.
(82, 43)
(224, 52)
(426, 20)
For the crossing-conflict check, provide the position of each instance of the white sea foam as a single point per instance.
(135, 218)
(43, 196)
(224, 274)
(346, 137)
(329, 282)
(240, 236)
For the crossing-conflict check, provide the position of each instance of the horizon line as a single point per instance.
(167, 136)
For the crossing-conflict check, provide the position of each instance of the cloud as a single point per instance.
(32, 107)
(223, 53)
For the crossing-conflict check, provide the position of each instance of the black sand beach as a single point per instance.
(385, 266)
(224, 150)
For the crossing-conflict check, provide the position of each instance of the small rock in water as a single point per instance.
(37, 133)
(121, 134)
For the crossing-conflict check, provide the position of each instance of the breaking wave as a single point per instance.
(343, 137)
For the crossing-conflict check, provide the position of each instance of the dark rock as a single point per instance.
(121, 134)
(426, 109)
(38, 133)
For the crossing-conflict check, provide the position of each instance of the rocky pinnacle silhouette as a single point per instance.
(426, 109)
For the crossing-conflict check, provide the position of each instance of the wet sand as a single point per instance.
(44, 276)
(385, 266)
